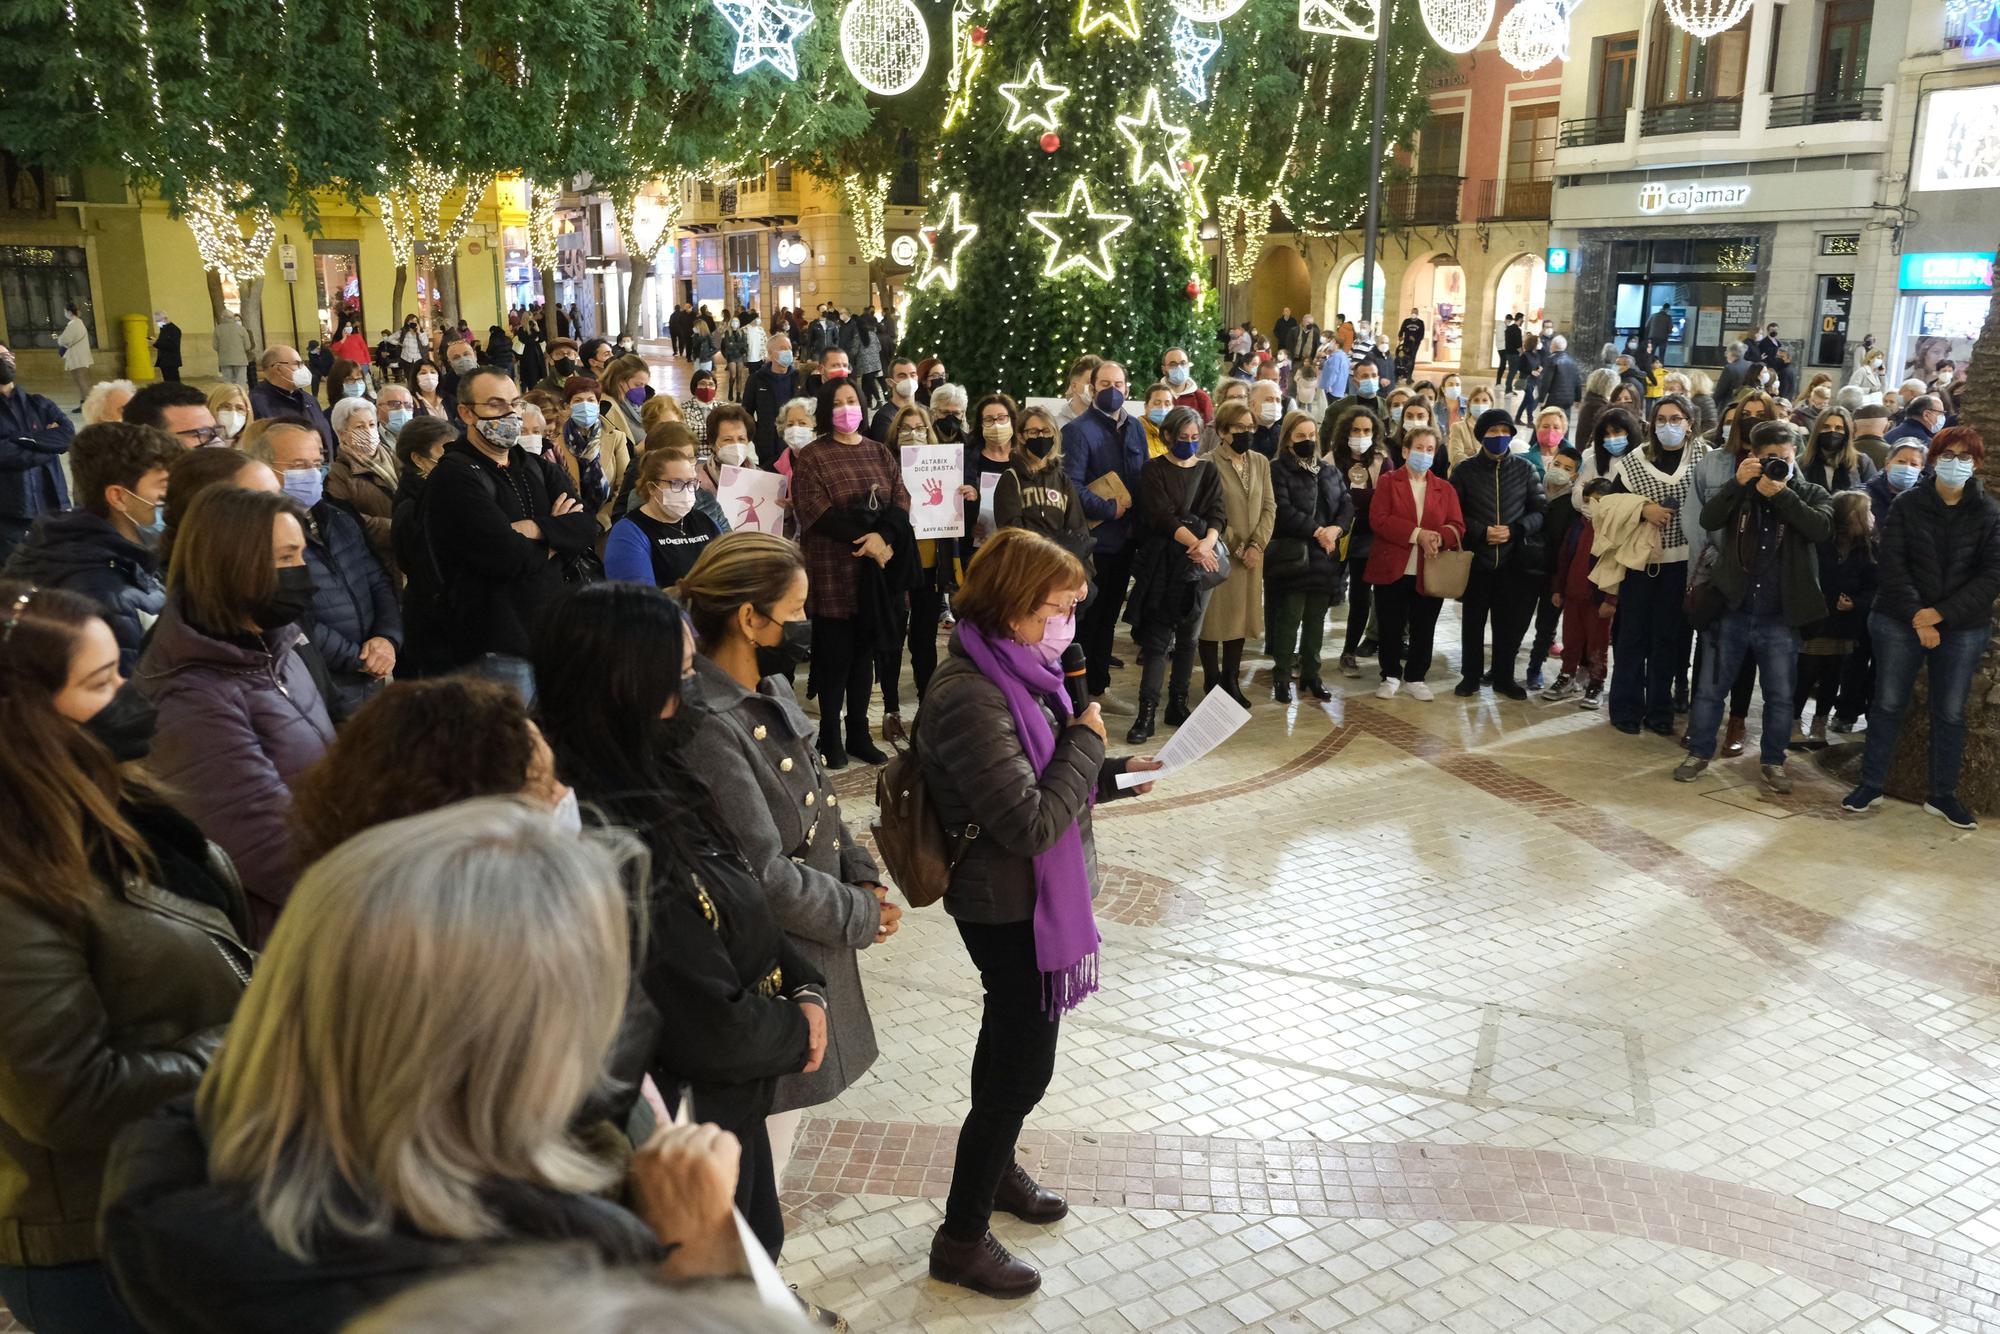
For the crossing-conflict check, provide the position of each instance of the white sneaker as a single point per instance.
(1418, 690)
(1388, 688)
(1114, 707)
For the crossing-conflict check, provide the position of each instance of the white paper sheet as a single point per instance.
(772, 1289)
(1213, 722)
(982, 527)
(749, 498)
(932, 475)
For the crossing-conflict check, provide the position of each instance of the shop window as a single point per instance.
(35, 282)
(1709, 285)
(1617, 72)
(1684, 68)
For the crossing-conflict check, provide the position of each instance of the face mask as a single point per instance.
(1109, 401)
(675, 504)
(906, 387)
(1954, 472)
(1903, 476)
(798, 437)
(1240, 441)
(1478, 406)
(1614, 445)
(1832, 441)
(1177, 375)
(126, 725)
(847, 419)
(1419, 463)
(531, 443)
(1364, 388)
(301, 378)
(1058, 633)
(6, 371)
(1396, 415)
(584, 412)
(1156, 415)
(500, 432)
(1184, 449)
(1549, 437)
(1039, 446)
(1559, 481)
(997, 433)
(288, 601)
(785, 357)
(303, 485)
(232, 422)
(1269, 411)
(567, 814)
(1361, 444)
(1670, 435)
(703, 393)
(398, 419)
(1497, 444)
(735, 455)
(567, 367)
(793, 649)
(1455, 393)
(834, 373)
(914, 435)
(427, 381)
(352, 389)
(464, 365)
(1305, 449)
(637, 395)
(948, 425)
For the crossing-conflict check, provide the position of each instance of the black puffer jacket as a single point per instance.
(79, 551)
(978, 773)
(1501, 491)
(1308, 501)
(354, 601)
(1941, 556)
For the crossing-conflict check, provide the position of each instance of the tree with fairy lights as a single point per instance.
(1084, 143)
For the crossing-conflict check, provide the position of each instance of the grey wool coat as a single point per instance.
(756, 755)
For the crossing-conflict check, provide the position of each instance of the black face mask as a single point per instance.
(566, 368)
(948, 427)
(1239, 440)
(1040, 446)
(6, 371)
(1305, 449)
(291, 600)
(126, 725)
(793, 649)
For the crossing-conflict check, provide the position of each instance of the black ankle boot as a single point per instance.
(1177, 710)
(1142, 725)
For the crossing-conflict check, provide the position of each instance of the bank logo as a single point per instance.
(1690, 197)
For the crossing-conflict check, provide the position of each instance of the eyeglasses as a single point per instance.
(678, 485)
(1059, 608)
(285, 365)
(501, 407)
(201, 435)
(1038, 435)
(1955, 454)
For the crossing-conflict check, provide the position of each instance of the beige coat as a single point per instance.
(617, 446)
(1236, 608)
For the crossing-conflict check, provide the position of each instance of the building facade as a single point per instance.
(1464, 227)
(1799, 168)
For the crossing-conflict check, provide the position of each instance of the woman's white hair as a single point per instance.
(93, 402)
(799, 404)
(947, 397)
(436, 1002)
(566, 1289)
(346, 408)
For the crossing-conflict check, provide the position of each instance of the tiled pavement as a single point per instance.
(1462, 1016)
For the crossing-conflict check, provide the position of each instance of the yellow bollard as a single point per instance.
(138, 348)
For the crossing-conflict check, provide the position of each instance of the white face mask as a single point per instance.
(735, 455)
(914, 435)
(567, 814)
(301, 377)
(1269, 411)
(230, 422)
(427, 381)
(1361, 444)
(798, 437)
(675, 504)
(906, 387)
(531, 443)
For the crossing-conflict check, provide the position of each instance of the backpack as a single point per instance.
(919, 853)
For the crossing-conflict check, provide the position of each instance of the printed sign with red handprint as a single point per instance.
(932, 474)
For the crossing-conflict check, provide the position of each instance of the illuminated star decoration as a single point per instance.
(1157, 147)
(1192, 52)
(943, 242)
(1076, 231)
(1120, 14)
(1360, 19)
(765, 31)
(1033, 101)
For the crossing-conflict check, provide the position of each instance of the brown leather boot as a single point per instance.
(1025, 1198)
(1732, 740)
(985, 1266)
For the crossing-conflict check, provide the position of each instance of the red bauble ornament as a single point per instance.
(979, 36)
(1051, 142)
(1194, 290)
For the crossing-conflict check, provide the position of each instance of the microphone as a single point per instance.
(1072, 670)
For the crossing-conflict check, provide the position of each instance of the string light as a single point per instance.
(867, 202)
(1193, 49)
(1207, 11)
(643, 249)
(1168, 143)
(886, 44)
(1038, 109)
(1706, 18)
(944, 243)
(1361, 19)
(1534, 33)
(1120, 14)
(1457, 25)
(542, 224)
(216, 219)
(1079, 228)
(966, 58)
(765, 31)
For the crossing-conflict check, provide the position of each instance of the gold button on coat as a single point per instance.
(785, 765)
(759, 732)
(809, 798)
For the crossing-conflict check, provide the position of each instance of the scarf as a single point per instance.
(1065, 930)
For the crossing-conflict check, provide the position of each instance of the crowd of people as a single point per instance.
(419, 847)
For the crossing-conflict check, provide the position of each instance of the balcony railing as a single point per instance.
(1825, 108)
(1424, 200)
(1592, 132)
(1507, 201)
(1692, 118)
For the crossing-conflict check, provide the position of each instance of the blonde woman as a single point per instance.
(393, 1100)
(229, 404)
(1236, 607)
(1829, 457)
(627, 381)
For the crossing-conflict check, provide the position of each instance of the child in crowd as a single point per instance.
(1847, 577)
(1586, 609)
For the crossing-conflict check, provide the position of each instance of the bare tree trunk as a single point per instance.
(1979, 780)
(549, 334)
(447, 291)
(250, 298)
(216, 306)
(635, 292)
(396, 296)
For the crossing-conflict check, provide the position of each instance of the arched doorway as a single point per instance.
(1522, 289)
(1343, 295)
(1436, 288)
(1280, 279)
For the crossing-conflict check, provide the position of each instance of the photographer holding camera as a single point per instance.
(1765, 525)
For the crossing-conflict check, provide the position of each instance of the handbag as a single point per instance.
(1218, 576)
(1444, 575)
(917, 850)
(1704, 603)
(1285, 557)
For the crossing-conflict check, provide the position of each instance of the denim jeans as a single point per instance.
(65, 1299)
(1775, 648)
(1898, 655)
(507, 670)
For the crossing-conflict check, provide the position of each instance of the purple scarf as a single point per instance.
(1065, 931)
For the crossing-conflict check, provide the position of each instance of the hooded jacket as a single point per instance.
(79, 551)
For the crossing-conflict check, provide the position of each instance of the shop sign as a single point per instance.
(1691, 196)
(1947, 271)
(1739, 309)
(1558, 260)
(904, 250)
(792, 252)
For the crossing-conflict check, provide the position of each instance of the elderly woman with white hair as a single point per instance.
(948, 403)
(106, 401)
(363, 474)
(394, 1098)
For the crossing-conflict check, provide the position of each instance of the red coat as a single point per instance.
(1393, 516)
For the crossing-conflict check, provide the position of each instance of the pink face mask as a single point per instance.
(1549, 437)
(847, 419)
(1058, 633)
